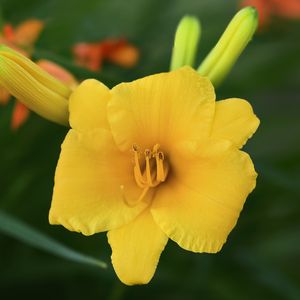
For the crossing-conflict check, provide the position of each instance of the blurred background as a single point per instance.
(261, 259)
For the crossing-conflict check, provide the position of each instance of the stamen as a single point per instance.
(135, 203)
(160, 166)
(138, 178)
(155, 170)
(148, 168)
(137, 168)
(135, 150)
(165, 170)
(155, 149)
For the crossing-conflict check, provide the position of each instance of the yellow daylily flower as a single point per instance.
(151, 160)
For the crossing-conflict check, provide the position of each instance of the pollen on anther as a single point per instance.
(161, 155)
(135, 147)
(148, 153)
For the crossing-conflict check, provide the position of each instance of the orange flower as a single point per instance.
(88, 55)
(58, 72)
(281, 8)
(22, 39)
(287, 8)
(19, 116)
(118, 51)
(26, 34)
(4, 96)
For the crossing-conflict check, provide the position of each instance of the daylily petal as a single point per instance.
(161, 108)
(136, 248)
(8, 33)
(200, 204)
(88, 106)
(126, 55)
(4, 96)
(88, 55)
(58, 72)
(20, 115)
(234, 120)
(92, 181)
(28, 32)
(288, 8)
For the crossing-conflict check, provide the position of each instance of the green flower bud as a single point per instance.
(223, 56)
(186, 42)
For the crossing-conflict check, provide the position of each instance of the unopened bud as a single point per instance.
(186, 42)
(223, 56)
(34, 87)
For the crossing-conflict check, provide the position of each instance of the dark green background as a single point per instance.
(261, 259)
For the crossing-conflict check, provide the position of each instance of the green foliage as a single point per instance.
(24, 233)
(262, 255)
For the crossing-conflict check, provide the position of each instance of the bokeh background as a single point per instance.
(261, 259)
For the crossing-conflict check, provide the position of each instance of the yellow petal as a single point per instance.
(34, 87)
(161, 108)
(200, 204)
(88, 105)
(35, 71)
(234, 120)
(136, 248)
(91, 182)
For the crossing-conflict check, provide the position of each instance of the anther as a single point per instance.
(161, 156)
(155, 149)
(139, 178)
(148, 153)
(135, 148)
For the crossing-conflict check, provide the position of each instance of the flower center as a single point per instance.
(150, 169)
(154, 170)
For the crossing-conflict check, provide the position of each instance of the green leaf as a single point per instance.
(268, 275)
(24, 233)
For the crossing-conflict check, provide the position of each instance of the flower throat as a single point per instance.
(150, 169)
